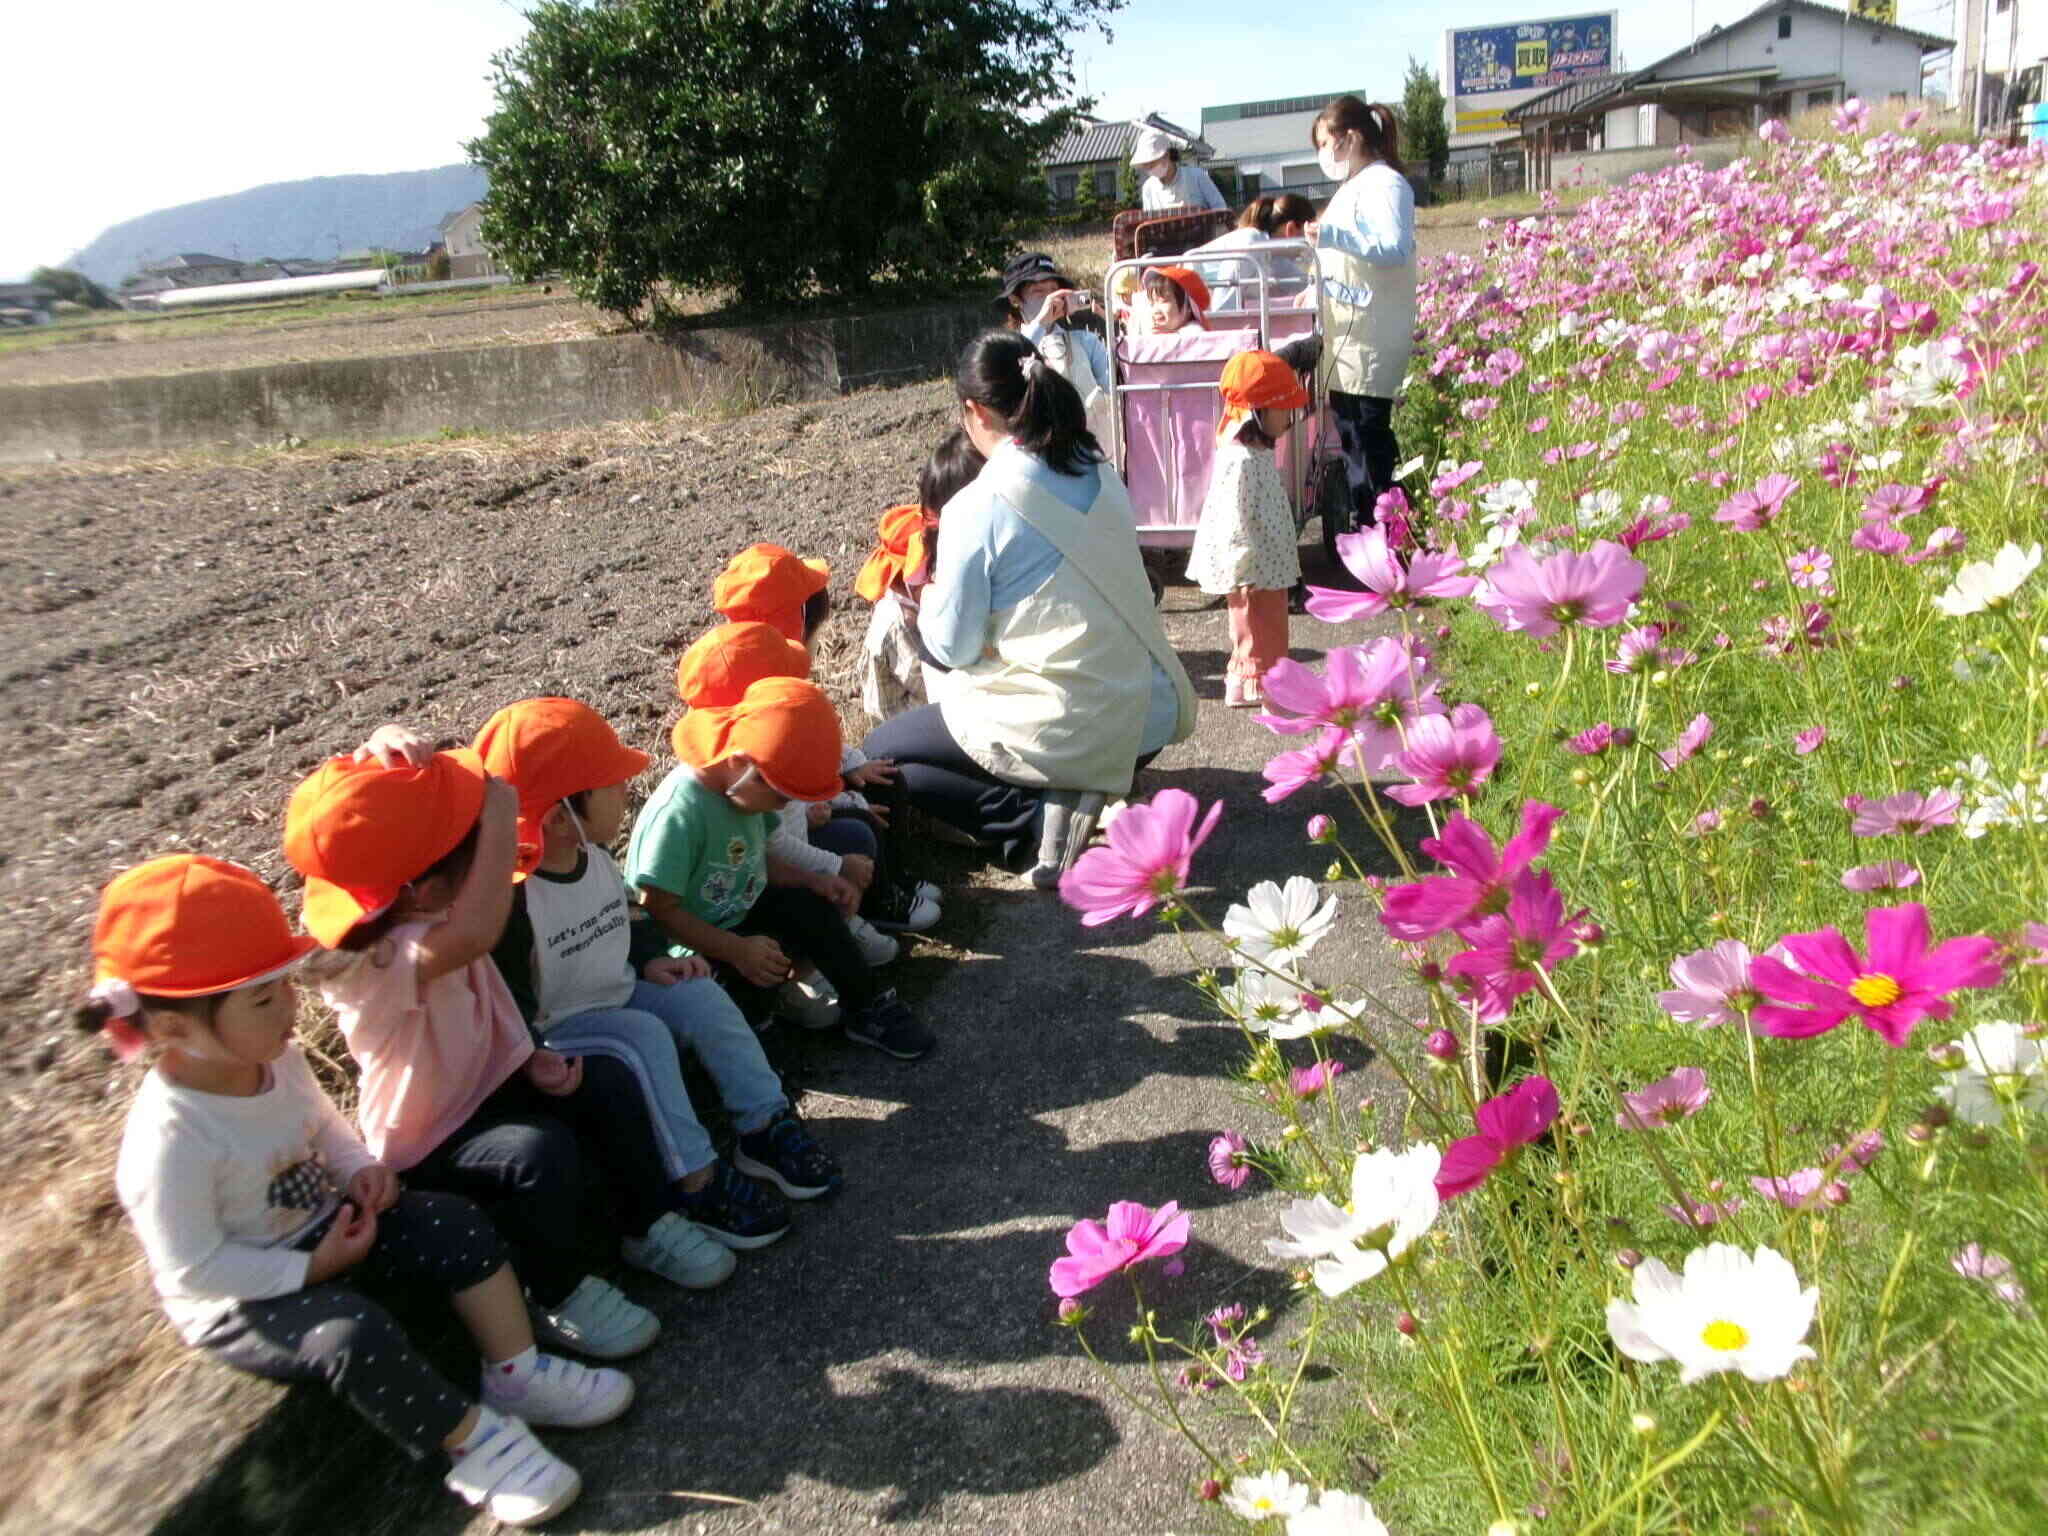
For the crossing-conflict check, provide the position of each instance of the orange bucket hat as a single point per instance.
(361, 832)
(768, 583)
(1254, 380)
(784, 725)
(903, 553)
(549, 749)
(716, 672)
(184, 926)
(1190, 283)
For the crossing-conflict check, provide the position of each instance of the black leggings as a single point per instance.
(334, 1333)
(944, 782)
(808, 927)
(520, 1157)
(1365, 433)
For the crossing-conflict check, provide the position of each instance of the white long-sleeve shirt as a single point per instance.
(1191, 188)
(1369, 281)
(223, 1189)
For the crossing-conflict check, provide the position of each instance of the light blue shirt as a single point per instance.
(1086, 344)
(1371, 217)
(990, 559)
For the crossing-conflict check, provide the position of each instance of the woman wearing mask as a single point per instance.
(1170, 187)
(1365, 243)
(1043, 306)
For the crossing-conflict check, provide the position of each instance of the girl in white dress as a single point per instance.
(1245, 549)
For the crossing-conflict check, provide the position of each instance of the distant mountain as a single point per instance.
(318, 218)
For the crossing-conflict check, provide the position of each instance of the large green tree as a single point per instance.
(75, 286)
(1425, 127)
(782, 149)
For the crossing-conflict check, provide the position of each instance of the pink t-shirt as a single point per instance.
(430, 1054)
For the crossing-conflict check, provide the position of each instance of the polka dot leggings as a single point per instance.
(335, 1334)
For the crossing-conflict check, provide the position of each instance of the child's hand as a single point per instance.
(396, 746)
(858, 868)
(554, 1074)
(374, 1188)
(667, 970)
(840, 891)
(347, 1243)
(818, 812)
(501, 803)
(876, 770)
(760, 960)
(1310, 230)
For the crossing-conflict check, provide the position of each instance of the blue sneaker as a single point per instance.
(734, 1210)
(783, 1153)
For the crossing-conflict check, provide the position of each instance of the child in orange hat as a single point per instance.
(592, 982)
(765, 582)
(1177, 298)
(1245, 548)
(700, 858)
(257, 1206)
(893, 661)
(408, 870)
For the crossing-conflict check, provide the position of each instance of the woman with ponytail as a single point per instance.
(1063, 681)
(1365, 243)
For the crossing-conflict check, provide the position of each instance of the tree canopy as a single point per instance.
(75, 286)
(1425, 129)
(784, 149)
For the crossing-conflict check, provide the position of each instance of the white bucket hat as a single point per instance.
(1151, 145)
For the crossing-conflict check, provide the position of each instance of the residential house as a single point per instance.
(1268, 143)
(27, 304)
(1783, 58)
(196, 269)
(2001, 60)
(1087, 163)
(461, 234)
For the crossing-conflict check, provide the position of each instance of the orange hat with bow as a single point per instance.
(785, 726)
(902, 553)
(549, 749)
(1252, 381)
(1190, 283)
(768, 583)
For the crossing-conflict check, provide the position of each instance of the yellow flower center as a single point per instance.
(1876, 990)
(1724, 1335)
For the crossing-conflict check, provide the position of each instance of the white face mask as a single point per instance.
(1033, 308)
(1335, 166)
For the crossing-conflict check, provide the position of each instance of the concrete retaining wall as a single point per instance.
(1612, 167)
(533, 387)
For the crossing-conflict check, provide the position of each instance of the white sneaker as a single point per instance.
(559, 1393)
(681, 1252)
(924, 890)
(1241, 692)
(511, 1476)
(876, 947)
(597, 1320)
(810, 1002)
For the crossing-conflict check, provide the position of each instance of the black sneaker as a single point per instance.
(734, 1210)
(901, 909)
(889, 1026)
(783, 1153)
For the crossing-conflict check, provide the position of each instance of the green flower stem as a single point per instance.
(1445, 1361)
(1651, 1475)
(1159, 1379)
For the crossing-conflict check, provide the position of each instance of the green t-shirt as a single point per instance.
(695, 844)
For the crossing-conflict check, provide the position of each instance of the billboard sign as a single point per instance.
(1489, 69)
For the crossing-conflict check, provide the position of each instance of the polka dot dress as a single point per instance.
(1247, 536)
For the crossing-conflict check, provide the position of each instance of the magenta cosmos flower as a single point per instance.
(1539, 597)
(1702, 1214)
(1665, 1102)
(1292, 772)
(1228, 1164)
(1891, 875)
(1309, 1081)
(1901, 980)
(1907, 812)
(1145, 862)
(1387, 583)
(1751, 509)
(1133, 1235)
(1480, 874)
(1507, 1122)
(1808, 741)
(1509, 948)
(1690, 740)
(1446, 756)
(1713, 985)
(1372, 691)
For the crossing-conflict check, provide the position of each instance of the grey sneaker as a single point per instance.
(597, 1320)
(810, 1002)
(681, 1252)
(1066, 822)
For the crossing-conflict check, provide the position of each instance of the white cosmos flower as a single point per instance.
(1337, 1513)
(1280, 924)
(1393, 1202)
(1929, 376)
(1988, 583)
(1271, 1005)
(1268, 1496)
(1728, 1312)
(2001, 1067)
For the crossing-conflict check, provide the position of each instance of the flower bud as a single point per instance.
(1442, 1045)
(1625, 736)
(1407, 1325)
(1321, 829)
(1919, 1133)
(1935, 1116)
(1836, 1193)
(1629, 1258)
(1947, 1054)
(1642, 1424)
(1429, 971)
(1977, 1139)
(1291, 1133)
(1335, 872)
(1310, 1002)
(1581, 777)
(1534, 690)
(1582, 1128)
(1211, 1490)
(1071, 1311)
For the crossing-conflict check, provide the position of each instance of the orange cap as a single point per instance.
(1254, 380)
(785, 726)
(768, 583)
(549, 749)
(716, 672)
(187, 925)
(902, 553)
(359, 832)
(1190, 283)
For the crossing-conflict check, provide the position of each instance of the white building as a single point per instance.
(2000, 60)
(1267, 141)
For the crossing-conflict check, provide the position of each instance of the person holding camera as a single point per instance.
(1042, 304)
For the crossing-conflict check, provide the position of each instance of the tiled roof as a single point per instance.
(1089, 141)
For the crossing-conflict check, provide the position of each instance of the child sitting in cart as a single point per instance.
(1244, 549)
(893, 661)
(1175, 299)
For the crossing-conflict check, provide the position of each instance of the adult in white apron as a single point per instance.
(1062, 681)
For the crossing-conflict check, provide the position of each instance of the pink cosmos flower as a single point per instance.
(1369, 690)
(1774, 131)
(1593, 741)
(1538, 597)
(1713, 985)
(1690, 740)
(1702, 1214)
(1857, 1156)
(1450, 477)
(1388, 583)
(1810, 567)
(1480, 876)
(1307, 1082)
(1509, 948)
(1852, 116)
(1808, 741)
(1145, 861)
(2034, 937)
(1446, 756)
(1751, 509)
(1665, 1102)
(1880, 539)
(1134, 1235)
(1901, 981)
(1643, 650)
(1907, 813)
(1891, 875)
(1227, 1164)
(1973, 1262)
(1800, 1188)
(1781, 639)
(1507, 1122)
(1292, 772)
(1891, 501)
(1941, 543)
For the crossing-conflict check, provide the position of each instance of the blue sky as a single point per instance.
(156, 110)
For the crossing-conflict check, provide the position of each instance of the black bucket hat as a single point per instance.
(1032, 267)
